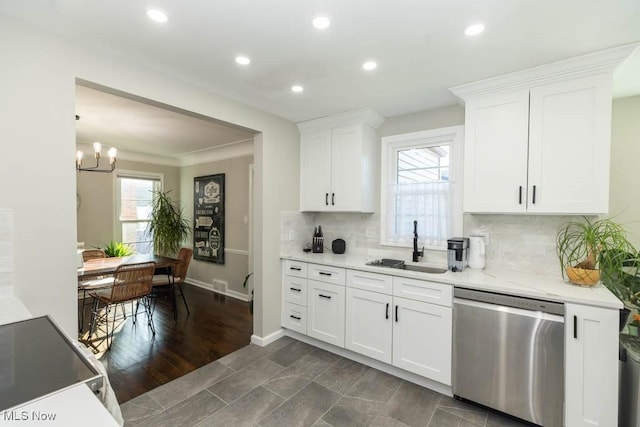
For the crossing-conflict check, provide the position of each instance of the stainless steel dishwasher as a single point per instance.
(508, 354)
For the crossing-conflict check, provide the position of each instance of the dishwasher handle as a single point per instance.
(457, 302)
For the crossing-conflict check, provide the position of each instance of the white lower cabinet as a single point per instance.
(326, 311)
(369, 323)
(409, 334)
(422, 339)
(591, 366)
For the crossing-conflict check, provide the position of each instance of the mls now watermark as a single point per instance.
(18, 416)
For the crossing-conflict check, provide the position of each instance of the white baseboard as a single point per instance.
(209, 287)
(262, 341)
(376, 364)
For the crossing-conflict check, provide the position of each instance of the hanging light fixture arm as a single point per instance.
(97, 148)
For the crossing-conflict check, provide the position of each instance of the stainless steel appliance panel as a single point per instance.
(510, 359)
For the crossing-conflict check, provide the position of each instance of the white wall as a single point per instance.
(236, 240)
(624, 193)
(37, 80)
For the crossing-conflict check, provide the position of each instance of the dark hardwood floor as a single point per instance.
(139, 362)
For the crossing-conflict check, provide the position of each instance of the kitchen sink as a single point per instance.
(421, 269)
(399, 264)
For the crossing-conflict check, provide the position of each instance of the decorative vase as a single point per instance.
(633, 330)
(583, 277)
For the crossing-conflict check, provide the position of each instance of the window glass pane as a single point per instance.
(423, 164)
(135, 198)
(135, 234)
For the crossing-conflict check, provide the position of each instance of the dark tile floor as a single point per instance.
(290, 383)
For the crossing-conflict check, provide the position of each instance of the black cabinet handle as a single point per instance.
(296, 289)
(534, 195)
(575, 327)
(295, 268)
(520, 195)
(322, 273)
(333, 199)
(324, 296)
(396, 313)
(294, 317)
(386, 316)
(326, 199)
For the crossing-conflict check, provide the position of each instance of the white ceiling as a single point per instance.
(419, 45)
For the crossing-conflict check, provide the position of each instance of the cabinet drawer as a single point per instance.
(324, 273)
(295, 290)
(294, 317)
(422, 290)
(295, 268)
(370, 281)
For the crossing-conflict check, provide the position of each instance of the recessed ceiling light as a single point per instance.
(321, 22)
(297, 88)
(474, 30)
(243, 60)
(369, 66)
(157, 15)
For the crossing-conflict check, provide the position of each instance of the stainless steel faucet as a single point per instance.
(416, 254)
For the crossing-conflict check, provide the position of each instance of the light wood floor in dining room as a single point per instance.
(137, 362)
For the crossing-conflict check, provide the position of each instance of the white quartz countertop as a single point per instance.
(509, 282)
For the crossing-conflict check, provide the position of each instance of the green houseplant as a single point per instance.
(592, 249)
(117, 249)
(167, 225)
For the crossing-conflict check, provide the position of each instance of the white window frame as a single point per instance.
(121, 173)
(454, 136)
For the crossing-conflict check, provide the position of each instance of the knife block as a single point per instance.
(317, 245)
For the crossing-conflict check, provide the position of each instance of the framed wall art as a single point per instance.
(208, 218)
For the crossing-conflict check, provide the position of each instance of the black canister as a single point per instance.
(338, 246)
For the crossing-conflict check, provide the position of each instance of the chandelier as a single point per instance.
(97, 148)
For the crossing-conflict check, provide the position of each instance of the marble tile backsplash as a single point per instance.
(6, 252)
(516, 242)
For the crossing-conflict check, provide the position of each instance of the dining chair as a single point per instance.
(172, 281)
(131, 282)
(88, 254)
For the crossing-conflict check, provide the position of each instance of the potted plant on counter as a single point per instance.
(592, 248)
(168, 226)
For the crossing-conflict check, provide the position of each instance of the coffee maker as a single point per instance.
(457, 253)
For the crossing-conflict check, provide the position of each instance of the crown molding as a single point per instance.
(362, 115)
(218, 153)
(601, 62)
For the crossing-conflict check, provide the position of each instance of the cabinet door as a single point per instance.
(569, 146)
(422, 339)
(368, 324)
(495, 153)
(325, 312)
(315, 171)
(346, 168)
(591, 366)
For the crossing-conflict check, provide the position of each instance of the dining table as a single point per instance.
(107, 266)
(95, 274)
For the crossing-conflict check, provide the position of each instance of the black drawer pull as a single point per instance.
(326, 199)
(333, 199)
(324, 296)
(295, 268)
(575, 327)
(386, 316)
(396, 313)
(520, 195)
(534, 195)
(295, 317)
(322, 273)
(296, 289)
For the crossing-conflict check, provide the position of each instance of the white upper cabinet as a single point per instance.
(338, 157)
(569, 146)
(538, 141)
(495, 159)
